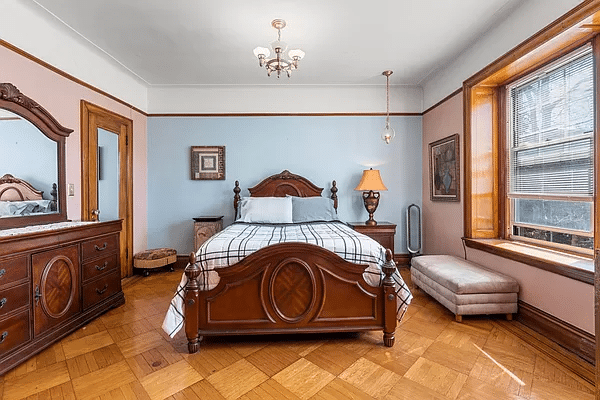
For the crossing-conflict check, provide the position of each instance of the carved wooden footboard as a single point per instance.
(289, 288)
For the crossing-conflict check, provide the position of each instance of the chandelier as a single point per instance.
(278, 63)
(388, 133)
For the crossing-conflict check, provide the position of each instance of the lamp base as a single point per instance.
(371, 200)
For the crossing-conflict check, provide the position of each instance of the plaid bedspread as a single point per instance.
(239, 240)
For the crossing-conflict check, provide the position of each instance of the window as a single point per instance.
(531, 150)
(550, 116)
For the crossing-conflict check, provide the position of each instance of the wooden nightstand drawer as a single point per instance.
(383, 232)
(100, 246)
(14, 331)
(205, 227)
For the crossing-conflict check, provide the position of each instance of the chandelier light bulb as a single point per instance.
(262, 51)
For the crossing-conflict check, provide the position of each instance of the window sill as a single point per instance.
(575, 267)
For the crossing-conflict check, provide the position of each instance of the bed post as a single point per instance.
(389, 302)
(236, 198)
(54, 194)
(334, 197)
(192, 305)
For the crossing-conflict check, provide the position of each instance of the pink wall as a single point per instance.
(442, 221)
(570, 300)
(61, 97)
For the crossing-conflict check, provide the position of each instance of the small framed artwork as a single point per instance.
(444, 169)
(208, 162)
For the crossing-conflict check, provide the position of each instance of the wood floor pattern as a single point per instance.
(124, 354)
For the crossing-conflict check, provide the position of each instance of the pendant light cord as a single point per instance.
(387, 91)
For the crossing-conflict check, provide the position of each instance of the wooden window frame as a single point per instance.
(486, 206)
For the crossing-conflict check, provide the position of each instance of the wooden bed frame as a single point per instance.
(15, 189)
(289, 287)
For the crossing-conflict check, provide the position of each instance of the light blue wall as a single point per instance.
(319, 148)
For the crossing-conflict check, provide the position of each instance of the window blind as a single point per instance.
(551, 132)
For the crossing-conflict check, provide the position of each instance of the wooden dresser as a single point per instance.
(53, 280)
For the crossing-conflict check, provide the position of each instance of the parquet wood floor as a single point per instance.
(125, 355)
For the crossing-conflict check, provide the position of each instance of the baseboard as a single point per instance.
(572, 347)
(402, 260)
(182, 261)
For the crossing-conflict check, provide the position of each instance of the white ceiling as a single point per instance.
(200, 42)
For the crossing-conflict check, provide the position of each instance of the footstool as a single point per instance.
(154, 258)
(463, 287)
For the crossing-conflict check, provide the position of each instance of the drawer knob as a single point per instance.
(2, 272)
(102, 268)
(100, 248)
(101, 291)
(3, 336)
(3, 302)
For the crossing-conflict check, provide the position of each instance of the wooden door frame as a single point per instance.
(92, 118)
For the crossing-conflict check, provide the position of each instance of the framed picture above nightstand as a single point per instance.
(383, 232)
(205, 227)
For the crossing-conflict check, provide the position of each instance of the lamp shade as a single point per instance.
(371, 180)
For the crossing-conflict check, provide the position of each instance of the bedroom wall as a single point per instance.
(527, 19)
(319, 148)
(61, 97)
(570, 300)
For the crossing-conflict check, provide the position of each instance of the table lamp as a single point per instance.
(370, 184)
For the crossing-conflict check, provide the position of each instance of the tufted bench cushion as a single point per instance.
(154, 258)
(464, 287)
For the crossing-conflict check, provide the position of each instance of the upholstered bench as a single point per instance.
(464, 287)
(154, 258)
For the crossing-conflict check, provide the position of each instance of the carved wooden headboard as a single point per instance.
(281, 185)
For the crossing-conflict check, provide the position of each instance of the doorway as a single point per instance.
(107, 173)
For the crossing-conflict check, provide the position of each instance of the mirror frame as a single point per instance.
(13, 100)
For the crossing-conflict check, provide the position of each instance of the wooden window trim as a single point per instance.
(486, 213)
(573, 266)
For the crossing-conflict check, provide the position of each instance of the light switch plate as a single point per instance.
(71, 189)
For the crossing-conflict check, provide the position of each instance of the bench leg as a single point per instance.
(458, 318)
(509, 317)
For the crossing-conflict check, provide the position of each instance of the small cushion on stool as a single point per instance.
(154, 258)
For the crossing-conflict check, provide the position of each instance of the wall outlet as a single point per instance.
(71, 189)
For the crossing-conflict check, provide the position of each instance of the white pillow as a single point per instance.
(269, 210)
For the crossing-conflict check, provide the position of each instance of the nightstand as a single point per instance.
(383, 232)
(205, 227)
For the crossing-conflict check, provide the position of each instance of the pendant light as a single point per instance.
(388, 133)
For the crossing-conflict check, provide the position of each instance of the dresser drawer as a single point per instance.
(100, 266)
(100, 246)
(13, 270)
(100, 289)
(14, 331)
(14, 298)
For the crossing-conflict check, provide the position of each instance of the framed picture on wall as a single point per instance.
(208, 162)
(444, 169)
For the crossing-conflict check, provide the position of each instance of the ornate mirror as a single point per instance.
(32, 162)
